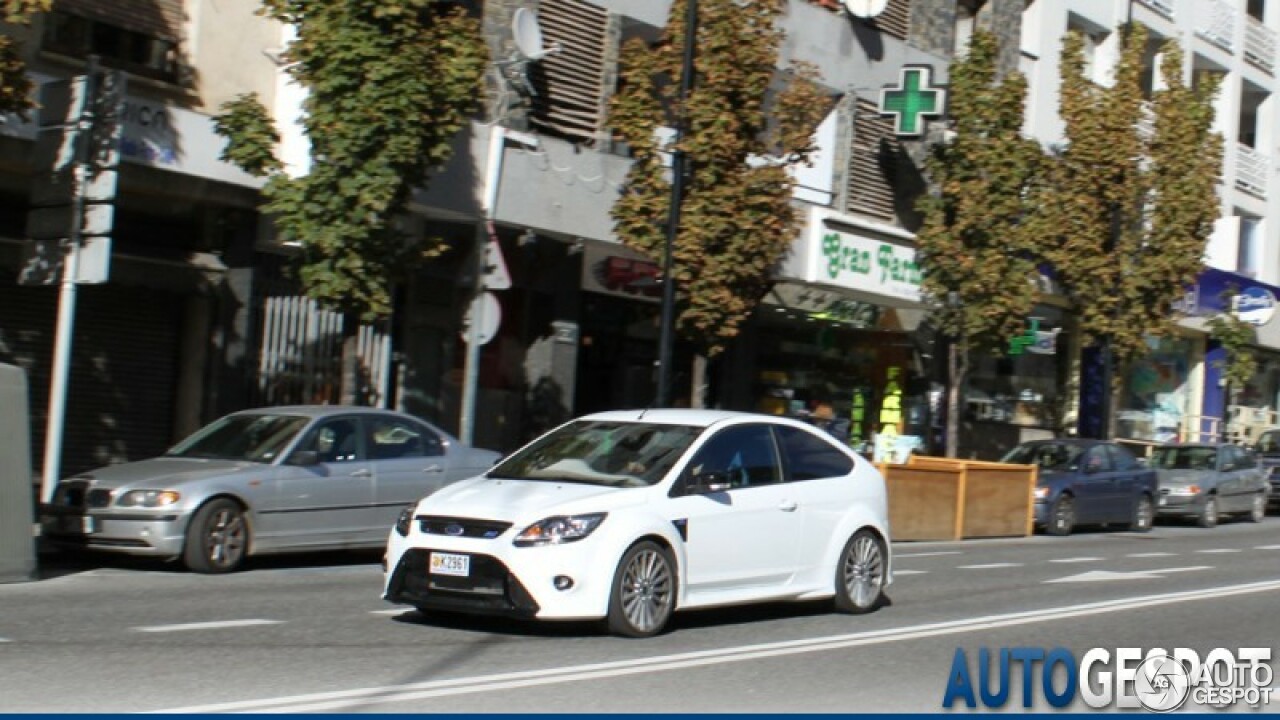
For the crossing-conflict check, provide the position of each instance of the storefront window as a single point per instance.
(1023, 385)
(1156, 397)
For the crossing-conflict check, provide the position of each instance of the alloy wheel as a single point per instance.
(646, 591)
(225, 539)
(1258, 511)
(863, 572)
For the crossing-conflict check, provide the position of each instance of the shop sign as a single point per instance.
(864, 263)
(1254, 305)
(1218, 291)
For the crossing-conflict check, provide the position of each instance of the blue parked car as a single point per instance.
(1088, 482)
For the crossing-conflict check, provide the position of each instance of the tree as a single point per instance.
(1128, 212)
(738, 137)
(1236, 338)
(390, 82)
(15, 86)
(975, 250)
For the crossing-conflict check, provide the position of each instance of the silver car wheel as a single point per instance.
(217, 537)
(1258, 511)
(225, 541)
(1209, 515)
(645, 591)
(863, 572)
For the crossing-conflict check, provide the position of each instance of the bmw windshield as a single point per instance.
(1058, 457)
(619, 454)
(256, 437)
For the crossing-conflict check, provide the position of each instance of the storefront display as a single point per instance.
(1155, 403)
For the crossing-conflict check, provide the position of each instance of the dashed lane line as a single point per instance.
(910, 572)
(216, 625)
(1267, 547)
(988, 566)
(1076, 560)
(1151, 554)
(1219, 551)
(928, 554)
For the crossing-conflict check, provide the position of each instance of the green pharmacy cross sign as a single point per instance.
(914, 98)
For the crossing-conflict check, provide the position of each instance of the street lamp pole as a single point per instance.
(666, 338)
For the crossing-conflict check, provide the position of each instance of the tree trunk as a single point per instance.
(352, 392)
(698, 382)
(957, 370)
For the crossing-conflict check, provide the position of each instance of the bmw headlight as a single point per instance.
(149, 498)
(559, 529)
(405, 522)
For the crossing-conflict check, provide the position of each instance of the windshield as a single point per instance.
(1049, 456)
(1185, 458)
(254, 437)
(620, 454)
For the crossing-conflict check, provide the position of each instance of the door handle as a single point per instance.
(788, 506)
(433, 469)
(362, 473)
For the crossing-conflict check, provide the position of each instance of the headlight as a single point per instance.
(1185, 490)
(559, 529)
(405, 521)
(149, 498)
(1042, 492)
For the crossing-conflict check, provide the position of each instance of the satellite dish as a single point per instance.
(528, 35)
(865, 9)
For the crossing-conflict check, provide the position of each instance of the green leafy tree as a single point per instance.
(390, 83)
(15, 86)
(736, 219)
(1236, 338)
(1127, 212)
(975, 249)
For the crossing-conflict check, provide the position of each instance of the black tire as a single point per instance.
(217, 538)
(1209, 515)
(860, 574)
(1258, 511)
(1144, 515)
(1062, 516)
(644, 591)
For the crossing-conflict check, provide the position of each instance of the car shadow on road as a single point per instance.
(59, 562)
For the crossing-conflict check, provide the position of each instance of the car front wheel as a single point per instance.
(860, 574)
(1062, 516)
(644, 591)
(1258, 511)
(217, 538)
(1209, 515)
(1143, 515)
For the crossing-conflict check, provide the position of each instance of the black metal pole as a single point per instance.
(666, 338)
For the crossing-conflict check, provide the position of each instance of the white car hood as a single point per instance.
(506, 499)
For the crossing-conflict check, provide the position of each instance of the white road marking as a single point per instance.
(1151, 554)
(910, 572)
(1267, 547)
(347, 699)
(1219, 551)
(988, 566)
(1076, 560)
(1104, 575)
(929, 554)
(216, 625)
(4, 640)
(392, 611)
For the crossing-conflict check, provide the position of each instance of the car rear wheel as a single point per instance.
(860, 574)
(1062, 516)
(644, 591)
(1258, 510)
(217, 538)
(1143, 515)
(1209, 515)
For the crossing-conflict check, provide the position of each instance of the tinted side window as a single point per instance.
(1122, 459)
(1097, 459)
(810, 457)
(392, 438)
(744, 453)
(1242, 458)
(335, 440)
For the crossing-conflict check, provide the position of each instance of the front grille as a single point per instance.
(461, 527)
(488, 588)
(98, 498)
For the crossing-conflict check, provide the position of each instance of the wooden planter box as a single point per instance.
(943, 499)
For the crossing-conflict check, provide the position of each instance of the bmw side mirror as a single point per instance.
(304, 458)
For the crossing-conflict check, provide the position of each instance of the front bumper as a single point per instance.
(503, 579)
(147, 534)
(1170, 505)
(1041, 512)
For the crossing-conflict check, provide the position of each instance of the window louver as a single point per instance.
(895, 21)
(570, 83)
(875, 155)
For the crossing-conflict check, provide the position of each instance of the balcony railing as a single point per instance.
(1164, 7)
(1251, 170)
(1217, 24)
(1260, 44)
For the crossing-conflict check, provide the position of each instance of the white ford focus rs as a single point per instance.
(631, 516)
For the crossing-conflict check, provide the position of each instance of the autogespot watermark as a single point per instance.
(1155, 679)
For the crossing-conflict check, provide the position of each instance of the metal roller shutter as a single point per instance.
(123, 369)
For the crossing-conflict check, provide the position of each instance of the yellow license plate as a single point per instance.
(450, 564)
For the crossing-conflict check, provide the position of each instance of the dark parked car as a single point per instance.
(273, 480)
(1088, 482)
(1268, 449)
(1206, 481)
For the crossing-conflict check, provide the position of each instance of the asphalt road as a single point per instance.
(311, 633)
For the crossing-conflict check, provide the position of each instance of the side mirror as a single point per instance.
(304, 458)
(708, 482)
